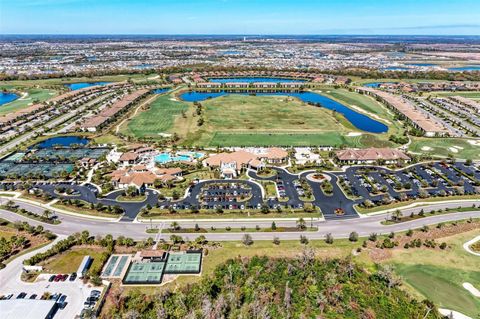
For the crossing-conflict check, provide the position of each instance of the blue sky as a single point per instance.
(436, 17)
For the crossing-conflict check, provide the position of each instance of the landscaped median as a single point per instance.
(415, 203)
(397, 217)
(156, 213)
(84, 208)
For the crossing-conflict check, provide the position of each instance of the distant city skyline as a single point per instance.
(427, 17)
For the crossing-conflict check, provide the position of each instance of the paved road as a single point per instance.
(76, 291)
(338, 228)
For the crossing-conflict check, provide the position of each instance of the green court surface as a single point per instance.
(183, 263)
(144, 273)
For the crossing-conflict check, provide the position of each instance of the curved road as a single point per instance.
(339, 228)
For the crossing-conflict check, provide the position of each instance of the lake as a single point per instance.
(65, 141)
(82, 85)
(6, 97)
(466, 68)
(254, 79)
(360, 121)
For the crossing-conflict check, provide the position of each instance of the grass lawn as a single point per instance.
(467, 94)
(139, 198)
(68, 262)
(84, 210)
(443, 147)
(159, 214)
(159, 118)
(269, 187)
(34, 94)
(439, 275)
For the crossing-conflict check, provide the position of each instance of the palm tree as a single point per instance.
(46, 214)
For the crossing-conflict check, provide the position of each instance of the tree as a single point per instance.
(274, 226)
(372, 237)
(247, 240)
(301, 224)
(176, 239)
(329, 238)
(353, 237)
(46, 214)
(303, 239)
(175, 226)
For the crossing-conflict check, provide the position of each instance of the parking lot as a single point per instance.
(70, 295)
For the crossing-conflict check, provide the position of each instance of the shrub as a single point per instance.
(329, 238)
(353, 237)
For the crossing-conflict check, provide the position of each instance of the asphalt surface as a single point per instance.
(338, 228)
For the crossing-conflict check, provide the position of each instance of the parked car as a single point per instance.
(21, 295)
(34, 296)
(52, 278)
(73, 276)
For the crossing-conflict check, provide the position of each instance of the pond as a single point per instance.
(82, 85)
(254, 79)
(160, 91)
(376, 84)
(64, 141)
(360, 121)
(6, 97)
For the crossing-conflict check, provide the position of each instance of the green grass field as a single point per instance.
(34, 95)
(159, 118)
(468, 94)
(69, 261)
(442, 147)
(238, 120)
(443, 286)
(439, 275)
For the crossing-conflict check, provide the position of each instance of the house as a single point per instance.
(126, 178)
(371, 156)
(274, 155)
(129, 158)
(230, 164)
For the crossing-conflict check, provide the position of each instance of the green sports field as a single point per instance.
(239, 120)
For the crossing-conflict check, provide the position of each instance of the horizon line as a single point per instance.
(243, 34)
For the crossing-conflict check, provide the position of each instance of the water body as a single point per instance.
(422, 64)
(466, 68)
(360, 121)
(160, 91)
(6, 97)
(82, 85)
(65, 141)
(395, 68)
(254, 79)
(376, 84)
(143, 66)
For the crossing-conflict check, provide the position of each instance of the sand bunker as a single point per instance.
(453, 149)
(426, 148)
(455, 314)
(474, 291)
(354, 134)
(474, 143)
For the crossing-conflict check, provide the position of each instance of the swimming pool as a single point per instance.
(163, 158)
